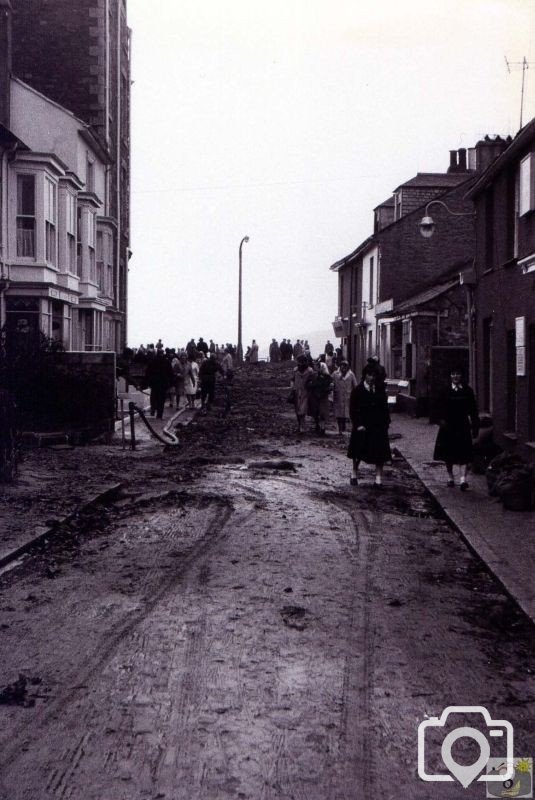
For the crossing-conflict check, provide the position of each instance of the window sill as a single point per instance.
(531, 445)
(512, 437)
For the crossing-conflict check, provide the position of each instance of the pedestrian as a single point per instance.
(191, 374)
(207, 376)
(318, 395)
(158, 377)
(302, 374)
(344, 381)
(274, 352)
(202, 346)
(368, 409)
(253, 355)
(227, 366)
(380, 372)
(179, 366)
(456, 410)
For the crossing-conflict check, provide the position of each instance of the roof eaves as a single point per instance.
(359, 251)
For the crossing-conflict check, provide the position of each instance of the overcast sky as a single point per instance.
(288, 121)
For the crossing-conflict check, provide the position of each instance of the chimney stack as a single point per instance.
(453, 161)
(5, 62)
(462, 159)
(488, 149)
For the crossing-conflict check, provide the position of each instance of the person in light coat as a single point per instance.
(302, 375)
(344, 381)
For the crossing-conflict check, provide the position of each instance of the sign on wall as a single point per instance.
(520, 344)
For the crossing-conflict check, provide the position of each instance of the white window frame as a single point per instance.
(526, 181)
(20, 216)
(50, 217)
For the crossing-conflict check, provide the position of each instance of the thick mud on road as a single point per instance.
(266, 631)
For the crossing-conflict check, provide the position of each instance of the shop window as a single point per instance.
(26, 216)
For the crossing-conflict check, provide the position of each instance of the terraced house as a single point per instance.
(504, 290)
(65, 170)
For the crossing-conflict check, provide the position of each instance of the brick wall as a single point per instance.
(409, 262)
(66, 58)
(502, 294)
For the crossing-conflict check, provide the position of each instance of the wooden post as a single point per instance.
(123, 436)
(8, 445)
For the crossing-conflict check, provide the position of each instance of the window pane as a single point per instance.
(25, 238)
(26, 195)
(525, 185)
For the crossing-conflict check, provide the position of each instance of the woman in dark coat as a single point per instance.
(369, 414)
(458, 417)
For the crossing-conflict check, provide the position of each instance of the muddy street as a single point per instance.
(239, 622)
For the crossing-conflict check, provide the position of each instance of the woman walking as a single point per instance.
(370, 417)
(191, 374)
(344, 381)
(458, 418)
(318, 396)
(301, 377)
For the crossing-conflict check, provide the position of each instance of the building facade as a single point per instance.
(406, 298)
(504, 292)
(66, 179)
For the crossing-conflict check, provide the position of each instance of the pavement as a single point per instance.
(504, 540)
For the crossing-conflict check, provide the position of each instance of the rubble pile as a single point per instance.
(512, 479)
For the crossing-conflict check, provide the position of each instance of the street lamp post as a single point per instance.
(240, 343)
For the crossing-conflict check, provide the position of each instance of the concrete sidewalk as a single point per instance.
(504, 540)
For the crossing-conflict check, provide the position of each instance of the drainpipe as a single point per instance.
(4, 275)
(350, 325)
(468, 279)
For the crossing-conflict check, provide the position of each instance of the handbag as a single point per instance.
(292, 397)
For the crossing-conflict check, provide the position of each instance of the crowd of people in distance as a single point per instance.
(286, 351)
(190, 373)
(184, 374)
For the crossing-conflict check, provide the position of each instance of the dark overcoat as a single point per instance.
(369, 409)
(456, 409)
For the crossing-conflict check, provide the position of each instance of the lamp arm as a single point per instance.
(453, 213)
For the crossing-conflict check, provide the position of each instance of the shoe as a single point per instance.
(354, 481)
(451, 483)
(378, 487)
(464, 486)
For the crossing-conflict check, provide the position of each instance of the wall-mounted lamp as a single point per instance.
(427, 223)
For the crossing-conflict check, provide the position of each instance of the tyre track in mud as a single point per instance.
(154, 589)
(213, 694)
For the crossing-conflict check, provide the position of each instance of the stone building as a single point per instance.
(65, 169)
